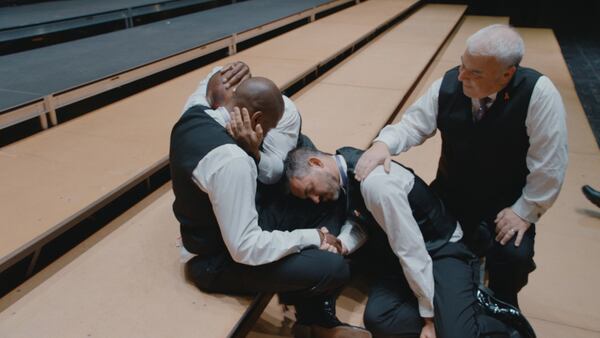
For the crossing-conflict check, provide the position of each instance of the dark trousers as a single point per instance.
(306, 277)
(509, 266)
(392, 309)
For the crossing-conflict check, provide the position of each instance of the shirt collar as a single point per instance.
(221, 115)
(343, 169)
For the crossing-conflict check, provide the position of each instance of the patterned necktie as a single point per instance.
(483, 108)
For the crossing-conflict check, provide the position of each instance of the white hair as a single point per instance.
(500, 41)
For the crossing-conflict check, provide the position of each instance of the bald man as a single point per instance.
(218, 87)
(215, 180)
(504, 151)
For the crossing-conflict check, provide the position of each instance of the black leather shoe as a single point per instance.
(320, 321)
(591, 194)
(505, 312)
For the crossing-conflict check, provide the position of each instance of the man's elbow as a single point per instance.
(243, 258)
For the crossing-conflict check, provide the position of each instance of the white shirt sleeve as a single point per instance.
(352, 236)
(547, 156)
(418, 123)
(228, 175)
(278, 142)
(386, 197)
(198, 97)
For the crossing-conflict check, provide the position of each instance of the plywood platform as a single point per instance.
(560, 299)
(57, 176)
(129, 284)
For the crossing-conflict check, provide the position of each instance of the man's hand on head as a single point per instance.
(509, 224)
(376, 155)
(234, 73)
(240, 129)
(216, 93)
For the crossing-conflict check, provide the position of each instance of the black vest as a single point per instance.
(436, 225)
(192, 138)
(482, 167)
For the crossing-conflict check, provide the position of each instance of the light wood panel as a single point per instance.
(51, 177)
(354, 100)
(129, 284)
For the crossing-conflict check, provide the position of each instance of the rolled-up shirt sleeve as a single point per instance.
(228, 175)
(198, 97)
(547, 156)
(352, 236)
(418, 123)
(278, 142)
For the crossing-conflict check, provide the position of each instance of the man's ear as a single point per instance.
(256, 118)
(315, 162)
(508, 73)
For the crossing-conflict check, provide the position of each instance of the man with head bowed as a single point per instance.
(423, 278)
(213, 161)
(504, 151)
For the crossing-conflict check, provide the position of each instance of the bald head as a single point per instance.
(259, 94)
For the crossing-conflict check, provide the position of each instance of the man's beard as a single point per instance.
(333, 186)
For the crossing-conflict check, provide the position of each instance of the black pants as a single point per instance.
(392, 309)
(305, 278)
(509, 266)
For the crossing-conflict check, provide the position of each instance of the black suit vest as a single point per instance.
(436, 225)
(192, 138)
(482, 167)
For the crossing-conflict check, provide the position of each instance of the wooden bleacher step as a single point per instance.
(120, 264)
(58, 177)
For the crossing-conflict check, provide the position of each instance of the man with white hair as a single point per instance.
(504, 151)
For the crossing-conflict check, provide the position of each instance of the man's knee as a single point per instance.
(329, 271)
(391, 322)
(521, 256)
(376, 321)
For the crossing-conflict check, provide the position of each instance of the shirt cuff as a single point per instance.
(309, 237)
(348, 242)
(389, 140)
(425, 307)
(527, 211)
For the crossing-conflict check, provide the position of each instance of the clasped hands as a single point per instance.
(331, 243)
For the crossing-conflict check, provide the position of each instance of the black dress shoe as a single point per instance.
(505, 312)
(591, 194)
(320, 321)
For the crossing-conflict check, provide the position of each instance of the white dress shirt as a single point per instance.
(386, 197)
(547, 155)
(228, 175)
(278, 141)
